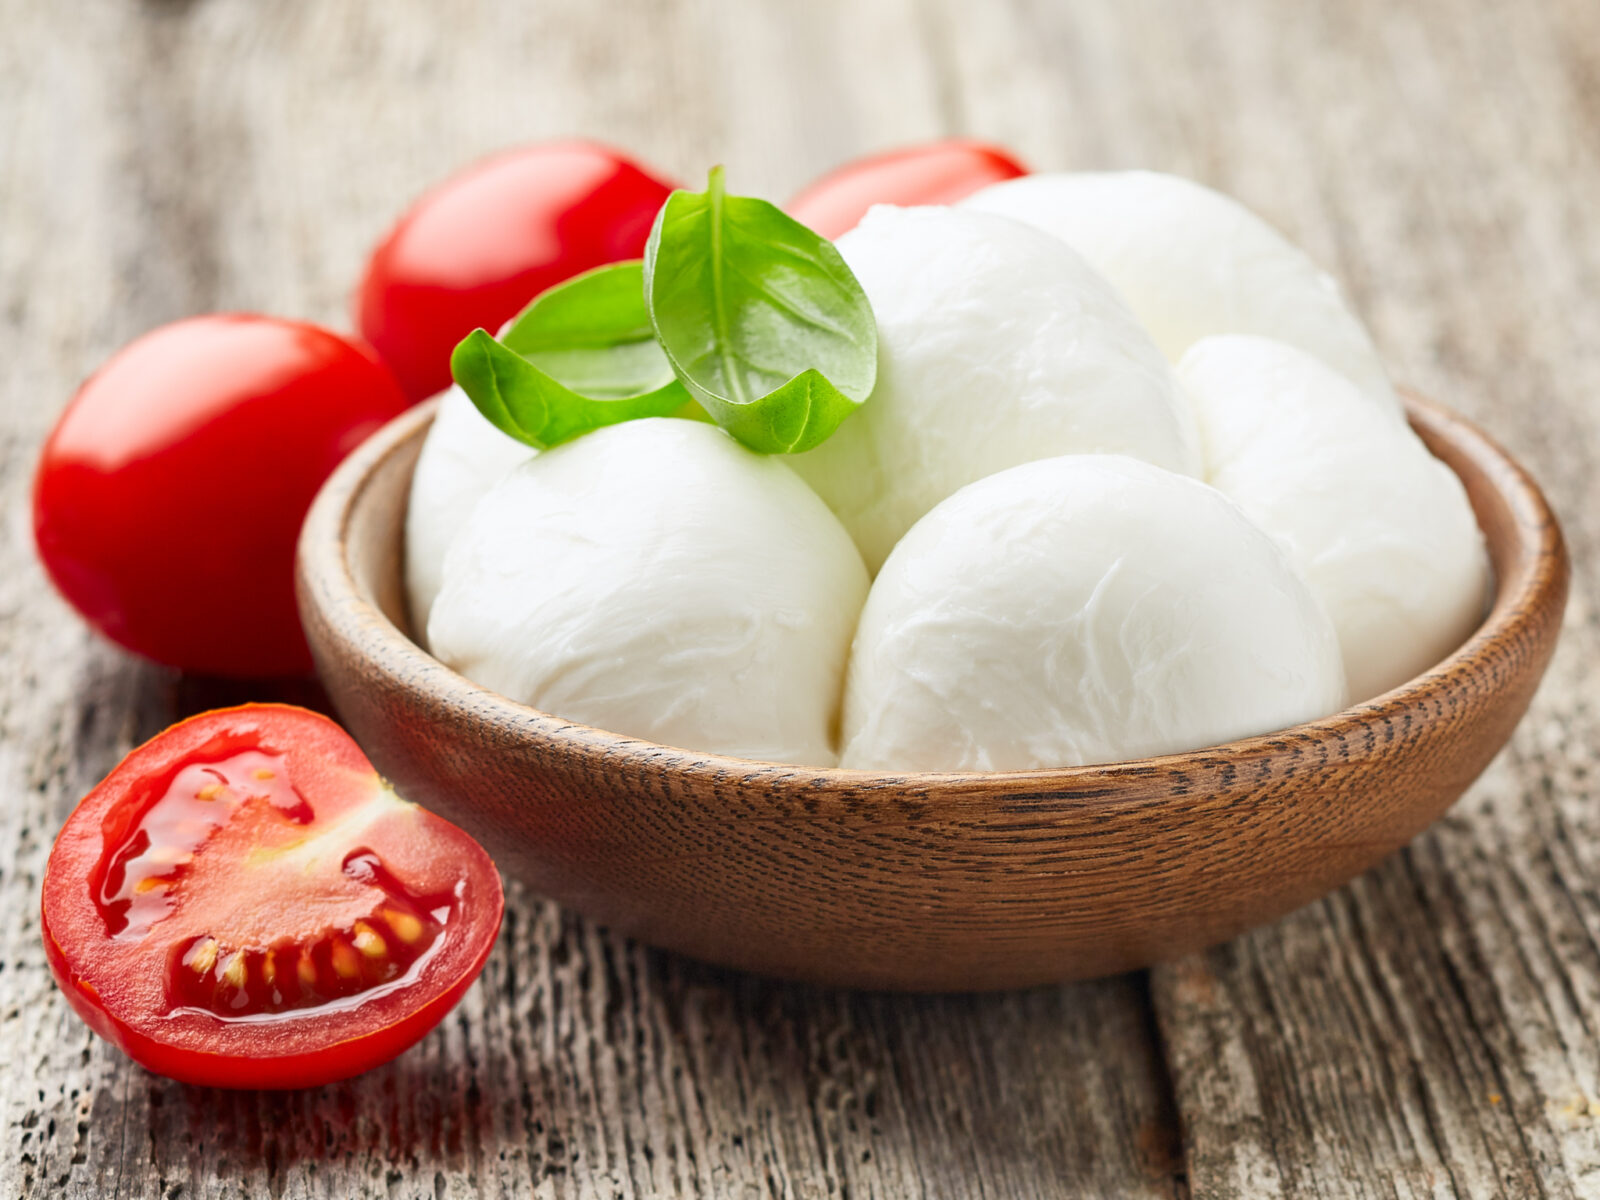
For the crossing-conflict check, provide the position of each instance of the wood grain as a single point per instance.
(169, 156)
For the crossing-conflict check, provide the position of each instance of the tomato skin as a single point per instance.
(939, 172)
(116, 986)
(473, 252)
(169, 496)
(311, 1069)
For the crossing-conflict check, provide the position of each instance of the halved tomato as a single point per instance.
(243, 902)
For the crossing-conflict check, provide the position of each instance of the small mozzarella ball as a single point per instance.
(996, 346)
(1191, 262)
(1085, 609)
(1379, 528)
(462, 457)
(658, 580)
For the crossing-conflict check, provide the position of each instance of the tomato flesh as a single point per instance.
(244, 903)
(474, 251)
(169, 496)
(384, 947)
(933, 173)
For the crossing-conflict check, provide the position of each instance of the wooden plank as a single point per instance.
(1431, 1029)
(167, 158)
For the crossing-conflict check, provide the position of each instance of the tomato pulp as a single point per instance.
(933, 173)
(478, 248)
(170, 494)
(244, 903)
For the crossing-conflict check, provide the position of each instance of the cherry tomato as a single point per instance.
(244, 903)
(934, 173)
(476, 249)
(170, 494)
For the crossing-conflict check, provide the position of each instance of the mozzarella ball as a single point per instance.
(1078, 610)
(1379, 528)
(658, 580)
(1191, 262)
(996, 346)
(462, 457)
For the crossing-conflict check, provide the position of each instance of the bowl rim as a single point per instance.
(1537, 573)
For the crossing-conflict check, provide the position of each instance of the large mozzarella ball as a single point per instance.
(1191, 262)
(996, 346)
(656, 579)
(462, 457)
(1379, 528)
(1078, 610)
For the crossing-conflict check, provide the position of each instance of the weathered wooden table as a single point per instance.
(1434, 1028)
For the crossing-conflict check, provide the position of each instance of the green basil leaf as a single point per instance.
(760, 318)
(582, 355)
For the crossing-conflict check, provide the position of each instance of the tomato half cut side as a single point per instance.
(244, 903)
(939, 172)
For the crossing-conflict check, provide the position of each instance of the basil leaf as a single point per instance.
(760, 318)
(582, 355)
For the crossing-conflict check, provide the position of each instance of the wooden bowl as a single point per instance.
(924, 881)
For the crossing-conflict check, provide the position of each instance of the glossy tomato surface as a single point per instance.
(472, 252)
(244, 903)
(934, 173)
(169, 495)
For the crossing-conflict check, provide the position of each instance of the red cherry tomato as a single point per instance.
(935, 173)
(244, 903)
(170, 494)
(476, 249)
